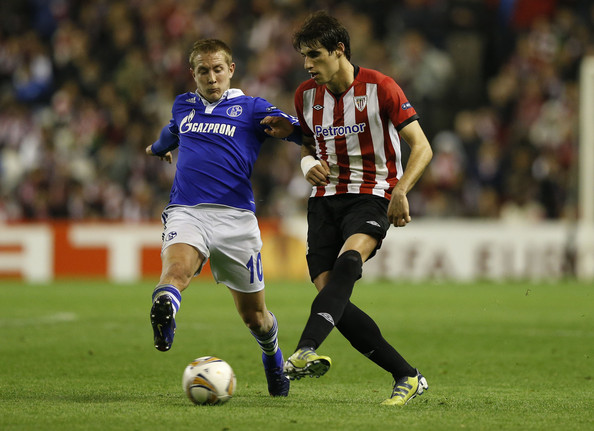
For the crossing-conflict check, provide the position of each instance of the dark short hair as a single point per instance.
(323, 29)
(210, 46)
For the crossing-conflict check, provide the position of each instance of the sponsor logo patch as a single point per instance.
(331, 131)
(187, 125)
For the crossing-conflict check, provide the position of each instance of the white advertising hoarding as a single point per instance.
(423, 250)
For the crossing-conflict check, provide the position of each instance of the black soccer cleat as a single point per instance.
(163, 322)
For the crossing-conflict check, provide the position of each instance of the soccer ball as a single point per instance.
(209, 380)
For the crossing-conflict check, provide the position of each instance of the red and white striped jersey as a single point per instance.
(357, 133)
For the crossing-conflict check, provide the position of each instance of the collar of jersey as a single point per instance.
(229, 94)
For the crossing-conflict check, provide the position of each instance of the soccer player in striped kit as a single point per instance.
(352, 119)
(211, 213)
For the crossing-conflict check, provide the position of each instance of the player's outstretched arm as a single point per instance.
(277, 126)
(168, 157)
(162, 147)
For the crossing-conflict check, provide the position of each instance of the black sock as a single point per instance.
(365, 336)
(328, 306)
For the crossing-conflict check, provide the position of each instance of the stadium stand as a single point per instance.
(86, 85)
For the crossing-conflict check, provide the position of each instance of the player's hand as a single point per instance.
(277, 127)
(318, 174)
(398, 210)
(168, 157)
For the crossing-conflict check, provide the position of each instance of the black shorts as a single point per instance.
(333, 219)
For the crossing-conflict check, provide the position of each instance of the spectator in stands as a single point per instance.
(70, 82)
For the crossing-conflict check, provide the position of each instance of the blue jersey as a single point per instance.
(218, 146)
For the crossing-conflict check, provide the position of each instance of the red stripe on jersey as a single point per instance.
(342, 153)
(365, 141)
(318, 116)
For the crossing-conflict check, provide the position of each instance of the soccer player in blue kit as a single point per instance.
(211, 213)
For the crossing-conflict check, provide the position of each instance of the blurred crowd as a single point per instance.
(86, 85)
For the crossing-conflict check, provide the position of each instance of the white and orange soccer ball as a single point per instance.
(209, 380)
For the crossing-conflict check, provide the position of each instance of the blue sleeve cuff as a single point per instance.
(296, 136)
(167, 142)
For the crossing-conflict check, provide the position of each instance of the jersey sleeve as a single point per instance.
(397, 106)
(299, 110)
(168, 139)
(263, 108)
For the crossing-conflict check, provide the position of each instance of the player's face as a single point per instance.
(322, 65)
(212, 74)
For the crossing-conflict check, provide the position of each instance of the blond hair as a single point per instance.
(210, 46)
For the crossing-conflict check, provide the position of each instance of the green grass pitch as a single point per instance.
(78, 355)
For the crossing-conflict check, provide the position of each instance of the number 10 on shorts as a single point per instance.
(255, 267)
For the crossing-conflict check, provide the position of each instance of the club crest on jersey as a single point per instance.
(360, 102)
(234, 111)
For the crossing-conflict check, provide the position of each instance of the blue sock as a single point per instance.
(274, 361)
(171, 290)
(269, 342)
